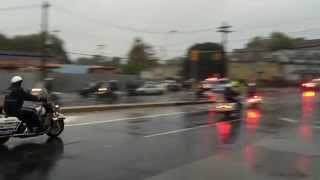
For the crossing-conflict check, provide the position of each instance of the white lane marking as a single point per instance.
(315, 126)
(71, 118)
(289, 120)
(176, 131)
(185, 129)
(133, 118)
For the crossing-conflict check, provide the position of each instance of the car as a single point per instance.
(312, 85)
(150, 89)
(174, 86)
(101, 89)
(212, 86)
(171, 85)
(220, 85)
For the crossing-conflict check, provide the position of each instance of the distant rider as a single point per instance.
(231, 94)
(252, 89)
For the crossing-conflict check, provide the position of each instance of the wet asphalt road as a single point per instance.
(279, 142)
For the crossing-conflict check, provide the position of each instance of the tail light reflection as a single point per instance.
(224, 130)
(309, 94)
(252, 118)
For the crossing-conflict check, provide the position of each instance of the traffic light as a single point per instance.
(194, 55)
(217, 56)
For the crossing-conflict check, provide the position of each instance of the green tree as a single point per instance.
(140, 57)
(207, 65)
(280, 41)
(56, 49)
(32, 44)
(275, 41)
(258, 42)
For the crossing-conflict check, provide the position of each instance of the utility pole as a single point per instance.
(100, 53)
(44, 37)
(164, 49)
(224, 29)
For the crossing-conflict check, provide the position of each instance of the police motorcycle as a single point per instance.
(228, 110)
(49, 114)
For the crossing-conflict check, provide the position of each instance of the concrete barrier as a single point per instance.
(94, 108)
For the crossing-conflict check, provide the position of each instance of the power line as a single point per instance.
(316, 30)
(81, 53)
(290, 23)
(22, 7)
(126, 28)
(103, 22)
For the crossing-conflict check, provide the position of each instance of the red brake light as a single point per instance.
(254, 99)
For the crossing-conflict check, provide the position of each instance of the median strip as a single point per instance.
(93, 108)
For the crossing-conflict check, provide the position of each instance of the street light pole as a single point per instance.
(44, 36)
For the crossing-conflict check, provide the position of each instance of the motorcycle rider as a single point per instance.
(231, 93)
(13, 105)
(252, 89)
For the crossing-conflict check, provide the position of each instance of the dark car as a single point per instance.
(174, 86)
(101, 89)
(91, 89)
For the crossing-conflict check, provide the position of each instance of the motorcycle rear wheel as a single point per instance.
(4, 140)
(56, 129)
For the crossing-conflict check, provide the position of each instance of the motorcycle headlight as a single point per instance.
(57, 107)
(36, 91)
(224, 106)
(102, 89)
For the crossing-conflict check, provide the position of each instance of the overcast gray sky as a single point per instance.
(86, 23)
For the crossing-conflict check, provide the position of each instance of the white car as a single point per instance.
(150, 89)
(220, 85)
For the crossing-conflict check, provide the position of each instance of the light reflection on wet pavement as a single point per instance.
(189, 142)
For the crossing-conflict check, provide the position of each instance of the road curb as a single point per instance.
(93, 108)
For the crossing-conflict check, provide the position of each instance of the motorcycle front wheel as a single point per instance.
(56, 129)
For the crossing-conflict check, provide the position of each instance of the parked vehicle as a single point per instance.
(220, 85)
(174, 86)
(150, 89)
(131, 89)
(211, 86)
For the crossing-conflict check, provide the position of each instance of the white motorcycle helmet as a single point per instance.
(16, 79)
